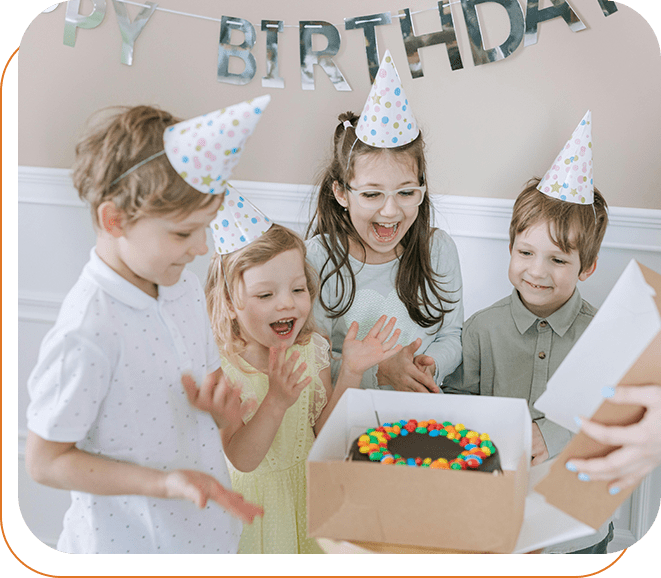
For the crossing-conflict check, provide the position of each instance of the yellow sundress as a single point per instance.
(278, 484)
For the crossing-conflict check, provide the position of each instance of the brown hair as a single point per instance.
(418, 285)
(571, 226)
(112, 145)
(225, 273)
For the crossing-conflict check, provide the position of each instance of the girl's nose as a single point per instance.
(390, 207)
(285, 301)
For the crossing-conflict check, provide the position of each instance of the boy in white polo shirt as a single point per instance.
(111, 418)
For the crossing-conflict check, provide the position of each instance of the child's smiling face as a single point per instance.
(544, 275)
(153, 251)
(382, 230)
(273, 303)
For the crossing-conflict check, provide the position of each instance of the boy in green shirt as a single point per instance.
(512, 348)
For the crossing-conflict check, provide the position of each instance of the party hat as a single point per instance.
(237, 224)
(387, 120)
(570, 177)
(205, 149)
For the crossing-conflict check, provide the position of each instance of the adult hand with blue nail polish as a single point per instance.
(640, 443)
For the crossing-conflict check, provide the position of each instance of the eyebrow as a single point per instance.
(379, 186)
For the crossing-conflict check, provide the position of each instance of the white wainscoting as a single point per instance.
(50, 262)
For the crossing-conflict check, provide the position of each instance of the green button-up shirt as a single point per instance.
(510, 352)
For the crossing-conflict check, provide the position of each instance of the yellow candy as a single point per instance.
(472, 434)
(363, 440)
(486, 451)
(484, 437)
(450, 435)
(459, 426)
(442, 460)
(364, 449)
(426, 461)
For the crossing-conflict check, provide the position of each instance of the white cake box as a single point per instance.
(460, 510)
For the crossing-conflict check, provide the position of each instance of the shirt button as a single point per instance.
(543, 323)
(541, 355)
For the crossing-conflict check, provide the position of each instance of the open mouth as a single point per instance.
(385, 231)
(283, 327)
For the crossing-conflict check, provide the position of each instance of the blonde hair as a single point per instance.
(571, 226)
(112, 145)
(225, 273)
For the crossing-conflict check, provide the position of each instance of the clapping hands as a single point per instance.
(218, 397)
(359, 356)
(285, 383)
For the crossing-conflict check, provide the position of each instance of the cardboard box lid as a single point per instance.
(622, 345)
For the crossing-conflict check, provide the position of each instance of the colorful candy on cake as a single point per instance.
(427, 444)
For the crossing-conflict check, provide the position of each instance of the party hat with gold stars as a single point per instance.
(387, 120)
(237, 224)
(570, 177)
(205, 149)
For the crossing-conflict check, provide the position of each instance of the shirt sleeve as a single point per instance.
(445, 349)
(67, 386)
(555, 437)
(466, 378)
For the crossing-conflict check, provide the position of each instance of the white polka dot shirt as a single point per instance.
(108, 377)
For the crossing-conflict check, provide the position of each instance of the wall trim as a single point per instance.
(290, 204)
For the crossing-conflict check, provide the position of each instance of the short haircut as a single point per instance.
(117, 142)
(572, 226)
(225, 273)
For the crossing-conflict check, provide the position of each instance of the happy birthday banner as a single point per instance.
(522, 28)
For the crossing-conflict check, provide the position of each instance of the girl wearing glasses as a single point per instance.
(372, 243)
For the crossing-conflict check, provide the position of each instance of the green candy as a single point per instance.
(442, 432)
(455, 466)
(447, 423)
(421, 430)
(376, 456)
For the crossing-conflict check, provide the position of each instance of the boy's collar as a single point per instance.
(122, 290)
(560, 321)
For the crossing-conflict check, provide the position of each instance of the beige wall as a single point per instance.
(488, 128)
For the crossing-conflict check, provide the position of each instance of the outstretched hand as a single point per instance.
(285, 383)
(218, 397)
(375, 347)
(199, 488)
(407, 372)
(640, 443)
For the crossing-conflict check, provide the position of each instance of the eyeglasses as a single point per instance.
(406, 197)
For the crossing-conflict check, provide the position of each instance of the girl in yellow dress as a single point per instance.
(259, 299)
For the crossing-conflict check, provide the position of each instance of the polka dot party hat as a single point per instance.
(205, 149)
(387, 120)
(570, 177)
(237, 224)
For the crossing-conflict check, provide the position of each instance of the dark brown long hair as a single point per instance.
(418, 285)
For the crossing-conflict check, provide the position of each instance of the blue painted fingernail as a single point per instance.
(578, 420)
(614, 490)
(607, 392)
(571, 467)
(584, 477)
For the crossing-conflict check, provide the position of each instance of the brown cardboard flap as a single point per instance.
(362, 505)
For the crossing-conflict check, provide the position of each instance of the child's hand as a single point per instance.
(426, 364)
(199, 487)
(285, 383)
(540, 453)
(403, 374)
(359, 356)
(218, 397)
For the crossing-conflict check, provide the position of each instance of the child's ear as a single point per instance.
(340, 194)
(111, 219)
(591, 269)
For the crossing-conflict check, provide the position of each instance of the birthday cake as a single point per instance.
(437, 445)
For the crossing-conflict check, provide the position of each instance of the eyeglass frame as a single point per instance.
(387, 194)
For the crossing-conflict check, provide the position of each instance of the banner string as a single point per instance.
(158, 8)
